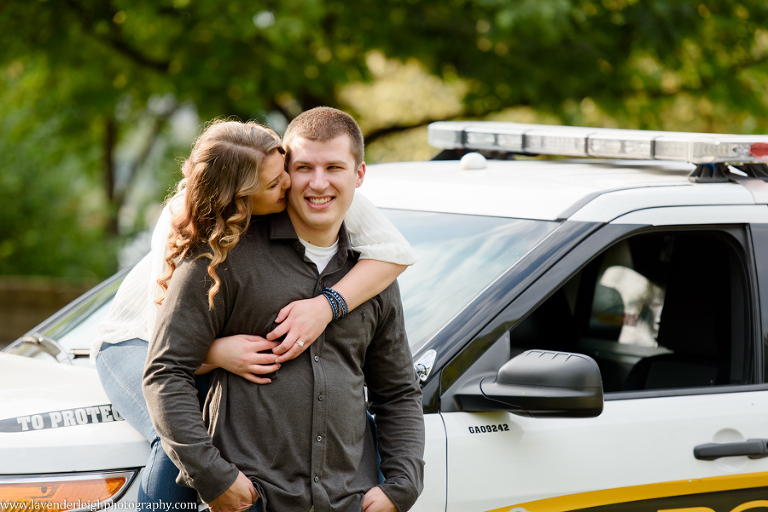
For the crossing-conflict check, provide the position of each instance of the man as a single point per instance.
(303, 441)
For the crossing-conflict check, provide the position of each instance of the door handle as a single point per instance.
(752, 448)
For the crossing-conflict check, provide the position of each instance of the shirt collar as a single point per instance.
(281, 228)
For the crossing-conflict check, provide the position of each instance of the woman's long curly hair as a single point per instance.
(220, 176)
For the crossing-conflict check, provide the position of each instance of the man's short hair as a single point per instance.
(323, 124)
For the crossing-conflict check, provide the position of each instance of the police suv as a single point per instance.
(590, 332)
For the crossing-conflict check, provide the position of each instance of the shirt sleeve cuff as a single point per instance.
(401, 492)
(214, 482)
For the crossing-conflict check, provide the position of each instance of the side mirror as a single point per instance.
(539, 383)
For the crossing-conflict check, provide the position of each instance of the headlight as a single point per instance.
(63, 492)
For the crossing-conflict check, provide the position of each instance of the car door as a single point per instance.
(666, 301)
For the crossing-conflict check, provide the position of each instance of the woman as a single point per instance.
(235, 170)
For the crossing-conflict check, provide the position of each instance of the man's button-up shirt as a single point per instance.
(304, 439)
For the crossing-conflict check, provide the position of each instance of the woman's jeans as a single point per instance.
(121, 367)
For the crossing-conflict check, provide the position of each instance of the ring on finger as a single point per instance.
(300, 344)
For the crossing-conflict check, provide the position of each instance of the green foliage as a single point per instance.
(89, 87)
(52, 222)
(247, 58)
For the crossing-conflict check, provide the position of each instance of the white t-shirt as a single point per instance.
(320, 256)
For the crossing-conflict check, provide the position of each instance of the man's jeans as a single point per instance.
(256, 507)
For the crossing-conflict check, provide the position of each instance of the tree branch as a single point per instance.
(137, 57)
(160, 122)
(110, 138)
(399, 128)
(114, 41)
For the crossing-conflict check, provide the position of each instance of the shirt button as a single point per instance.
(321, 398)
(319, 438)
(317, 479)
(317, 358)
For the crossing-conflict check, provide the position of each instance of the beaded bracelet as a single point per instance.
(332, 302)
(340, 300)
(339, 306)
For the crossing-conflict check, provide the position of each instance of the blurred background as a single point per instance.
(101, 99)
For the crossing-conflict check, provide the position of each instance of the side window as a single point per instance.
(656, 311)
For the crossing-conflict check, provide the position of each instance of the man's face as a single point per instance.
(323, 182)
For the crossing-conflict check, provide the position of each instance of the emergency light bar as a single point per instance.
(696, 148)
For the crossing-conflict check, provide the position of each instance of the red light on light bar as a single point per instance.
(759, 149)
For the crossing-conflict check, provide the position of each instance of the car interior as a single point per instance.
(660, 310)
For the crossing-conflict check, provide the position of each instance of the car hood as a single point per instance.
(55, 417)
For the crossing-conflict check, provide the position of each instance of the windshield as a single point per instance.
(458, 257)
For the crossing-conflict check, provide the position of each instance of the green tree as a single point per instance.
(90, 88)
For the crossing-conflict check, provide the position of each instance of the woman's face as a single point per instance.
(273, 184)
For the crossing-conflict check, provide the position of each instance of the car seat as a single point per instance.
(695, 322)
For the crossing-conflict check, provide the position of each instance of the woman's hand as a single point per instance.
(301, 322)
(244, 355)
